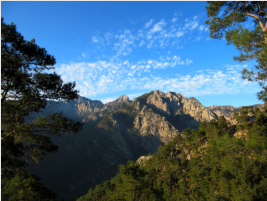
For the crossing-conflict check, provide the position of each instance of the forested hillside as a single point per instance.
(216, 162)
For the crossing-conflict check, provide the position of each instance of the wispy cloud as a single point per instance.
(114, 75)
(191, 25)
(174, 19)
(125, 41)
(155, 34)
(103, 77)
(108, 36)
(95, 39)
(198, 38)
(201, 28)
(147, 25)
(158, 26)
(119, 71)
(84, 55)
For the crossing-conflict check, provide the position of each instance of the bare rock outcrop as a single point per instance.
(190, 111)
(154, 128)
(143, 159)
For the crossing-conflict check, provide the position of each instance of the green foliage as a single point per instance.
(25, 87)
(25, 186)
(203, 164)
(225, 20)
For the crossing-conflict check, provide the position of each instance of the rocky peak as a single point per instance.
(85, 105)
(122, 98)
(175, 96)
(159, 93)
(177, 105)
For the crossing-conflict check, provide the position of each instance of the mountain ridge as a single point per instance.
(114, 133)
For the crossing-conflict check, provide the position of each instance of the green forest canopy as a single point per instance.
(215, 162)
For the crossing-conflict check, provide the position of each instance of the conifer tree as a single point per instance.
(225, 20)
(26, 85)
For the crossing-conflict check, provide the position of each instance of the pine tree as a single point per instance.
(225, 20)
(26, 86)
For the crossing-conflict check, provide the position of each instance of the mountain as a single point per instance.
(218, 161)
(112, 134)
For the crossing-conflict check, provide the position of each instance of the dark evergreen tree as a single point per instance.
(225, 20)
(26, 86)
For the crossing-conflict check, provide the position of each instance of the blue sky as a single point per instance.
(130, 48)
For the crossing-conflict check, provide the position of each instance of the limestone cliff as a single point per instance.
(188, 112)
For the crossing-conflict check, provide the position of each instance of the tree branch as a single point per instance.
(8, 134)
(4, 96)
(257, 18)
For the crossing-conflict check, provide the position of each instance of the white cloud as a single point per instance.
(94, 39)
(84, 55)
(185, 78)
(201, 27)
(102, 77)
(107, 100)
(126, 75)
(115, 73)
(125, 40)
(149, 61)
(179, 33)
(193, 25)
(142, 43)
(158, 27)
(108, 36)
(157, 35)
(198, 38)
(140, 34)
(147, 25)
(150, 45)
(188, 61)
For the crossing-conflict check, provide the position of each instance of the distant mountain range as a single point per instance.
(114, 133)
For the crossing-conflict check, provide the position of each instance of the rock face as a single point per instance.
(112, 134)
(154, 128)
(74, 109)
(227, 111)
(188, 112)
